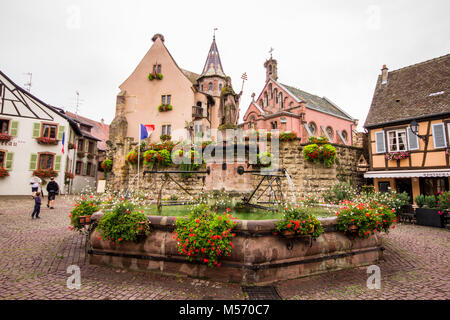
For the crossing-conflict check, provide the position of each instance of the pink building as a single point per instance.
(286, 108)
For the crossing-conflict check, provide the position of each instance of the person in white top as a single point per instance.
(35, 183)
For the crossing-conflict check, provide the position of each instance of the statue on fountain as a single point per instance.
(229, 107)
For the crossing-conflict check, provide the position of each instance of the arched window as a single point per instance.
(220, 86)
(201, 87)
(312, 128)
(270, 90)
(266, 99)
(210, 86)
(330, 132)
(275, 92)
(344, 135)
(261, 102)
(291, 104)
(281, 100)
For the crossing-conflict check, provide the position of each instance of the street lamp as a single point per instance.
(414, 127)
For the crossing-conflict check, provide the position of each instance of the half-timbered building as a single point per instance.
(409, 128)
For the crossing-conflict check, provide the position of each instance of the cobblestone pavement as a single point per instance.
(35, 254)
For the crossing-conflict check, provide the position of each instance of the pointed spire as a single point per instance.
(213, 66)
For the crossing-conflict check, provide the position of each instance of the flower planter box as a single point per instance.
(5, 137)
(48, 141)
(429, 217)
(84, 220)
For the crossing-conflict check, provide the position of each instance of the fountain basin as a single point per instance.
(258, 255)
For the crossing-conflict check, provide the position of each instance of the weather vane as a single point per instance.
(214, 35)
(270, 51)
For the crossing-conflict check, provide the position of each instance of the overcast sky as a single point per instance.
(328, 48)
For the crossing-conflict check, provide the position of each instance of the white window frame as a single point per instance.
(398, 145)
(445, 138)
(408, 133)
(384, 142)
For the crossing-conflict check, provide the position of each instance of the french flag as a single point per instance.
(63, 139)
(146, 130)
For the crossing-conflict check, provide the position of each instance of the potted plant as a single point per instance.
(82, 211)
(132, 157)
(428, 212)
(80, 154)
(287, 136)
(90, 156)
(165, 107)
(298, 222)
(165, 137)
(106, 165)
(71, 146)
(67, 177)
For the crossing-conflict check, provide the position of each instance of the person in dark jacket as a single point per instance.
(37, 205)
(52, 189)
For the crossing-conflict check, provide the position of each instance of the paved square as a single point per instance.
(35, 254)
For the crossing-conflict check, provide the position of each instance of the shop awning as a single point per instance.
(408, 173)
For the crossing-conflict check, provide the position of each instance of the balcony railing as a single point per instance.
(197, 112)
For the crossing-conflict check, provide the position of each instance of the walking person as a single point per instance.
(35, 183)
(37, 206)
(52, 190)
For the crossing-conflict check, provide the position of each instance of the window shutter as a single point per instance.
(33, 161)
(9, 161)
(61, 130)
(57, 164)
(379, 141)
(36, 130)
(14, 128)
(439, 136)
(94, 167)
(84, 168)
(86, 146)
(413, 140)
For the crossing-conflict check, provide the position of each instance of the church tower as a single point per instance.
(271, 69)
(212, 79)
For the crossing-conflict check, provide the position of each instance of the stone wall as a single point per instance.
(308, 178)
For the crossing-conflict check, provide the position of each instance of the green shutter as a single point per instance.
(36, 130)
(57, 164)
(33, 161)
(61, 130)
(84, 168)
(86, 146)
(94, 169)
(9, 160)
(14, 128)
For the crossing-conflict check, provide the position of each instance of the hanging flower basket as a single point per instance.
(3, 172)
(71, 146)
(4, 137)
(90, 156)
(132, 157)
(165, 137)
(106, 165)
(157, 76)
(80, 154)
(397, 155)
(165, 107)
(44, 140)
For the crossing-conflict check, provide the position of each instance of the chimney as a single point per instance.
(384, 74)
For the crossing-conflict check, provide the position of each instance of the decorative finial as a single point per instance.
(270, 51)
(214, 34)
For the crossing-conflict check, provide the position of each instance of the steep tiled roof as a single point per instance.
(99, 130)
(192, 76)
(414, 91)
(316, 102)
(213, 65)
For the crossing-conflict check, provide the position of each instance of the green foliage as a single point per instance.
(165, 137)
(204, 235)
(444, 200)
(150, 157)
(368, 217)
(85, 206)
(107, 164)
(163, 157)
(123, 223)
(265, 158)
(318, 140)
(287, 136)
(340, 192)
(325, 153)
(430, 201)
(164, 107)
(300, 221)
(420, 200)
(132, 157)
